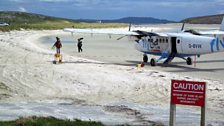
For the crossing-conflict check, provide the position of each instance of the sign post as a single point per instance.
(187, 93)
(203, 116)
(172, 114)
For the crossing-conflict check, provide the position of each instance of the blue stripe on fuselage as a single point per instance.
(212, 43)
(177, 55)
(216, 44)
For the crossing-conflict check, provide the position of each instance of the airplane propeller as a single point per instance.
(129, 29)
(189, 31)
(121, 37)
(182, 28)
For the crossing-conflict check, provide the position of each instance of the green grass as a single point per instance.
(21, 20)
(48, 121)
(51, 121)
(54, 25)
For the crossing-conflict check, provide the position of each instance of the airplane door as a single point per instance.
(179, 45)
(173, 45)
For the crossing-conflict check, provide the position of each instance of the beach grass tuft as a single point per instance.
(48, 121)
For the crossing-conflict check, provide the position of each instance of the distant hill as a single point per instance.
(133, 20)
(211, 19)
(23, 20)
(14, 17)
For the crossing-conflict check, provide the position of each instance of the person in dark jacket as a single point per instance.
(58, 45)
(79, 44)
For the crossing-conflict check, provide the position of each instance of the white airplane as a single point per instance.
(4, 24)
(167, 45)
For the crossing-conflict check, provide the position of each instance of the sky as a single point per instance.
(174, 10)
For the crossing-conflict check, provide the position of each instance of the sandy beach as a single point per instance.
(82, 88)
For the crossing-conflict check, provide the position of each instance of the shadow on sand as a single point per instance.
(175, 66)
(183, 67)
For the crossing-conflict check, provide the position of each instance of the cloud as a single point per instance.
(54, 1)
(22, 9)
(16, 0)
(221, 12)
(170, 9)
(220, 2)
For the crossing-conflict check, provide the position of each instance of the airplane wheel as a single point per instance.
(145, 58)
(153, 62)
(189, 61)
(54, 62)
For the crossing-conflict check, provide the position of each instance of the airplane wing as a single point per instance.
(114, 32)
(216, 32)
(100, 31)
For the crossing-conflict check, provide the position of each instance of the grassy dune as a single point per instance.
(48, 121)
(51, 121)
(53, 25)
(21, 20)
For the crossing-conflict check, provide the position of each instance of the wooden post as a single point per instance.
(203, 116)
(203, 110)
(172, 114)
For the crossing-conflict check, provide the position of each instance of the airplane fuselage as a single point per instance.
(182, 44)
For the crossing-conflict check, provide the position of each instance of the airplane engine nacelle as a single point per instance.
(133, 38)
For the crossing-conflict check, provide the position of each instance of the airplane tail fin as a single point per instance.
(222, 25)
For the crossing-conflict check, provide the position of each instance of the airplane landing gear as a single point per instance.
(153, 62)
(145, 58)
(189, 61)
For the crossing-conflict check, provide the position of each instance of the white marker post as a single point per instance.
(187, 93)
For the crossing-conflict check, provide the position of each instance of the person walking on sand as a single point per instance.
(58, 45)
(79, 44)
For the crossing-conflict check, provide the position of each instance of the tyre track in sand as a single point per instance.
(15, 67)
